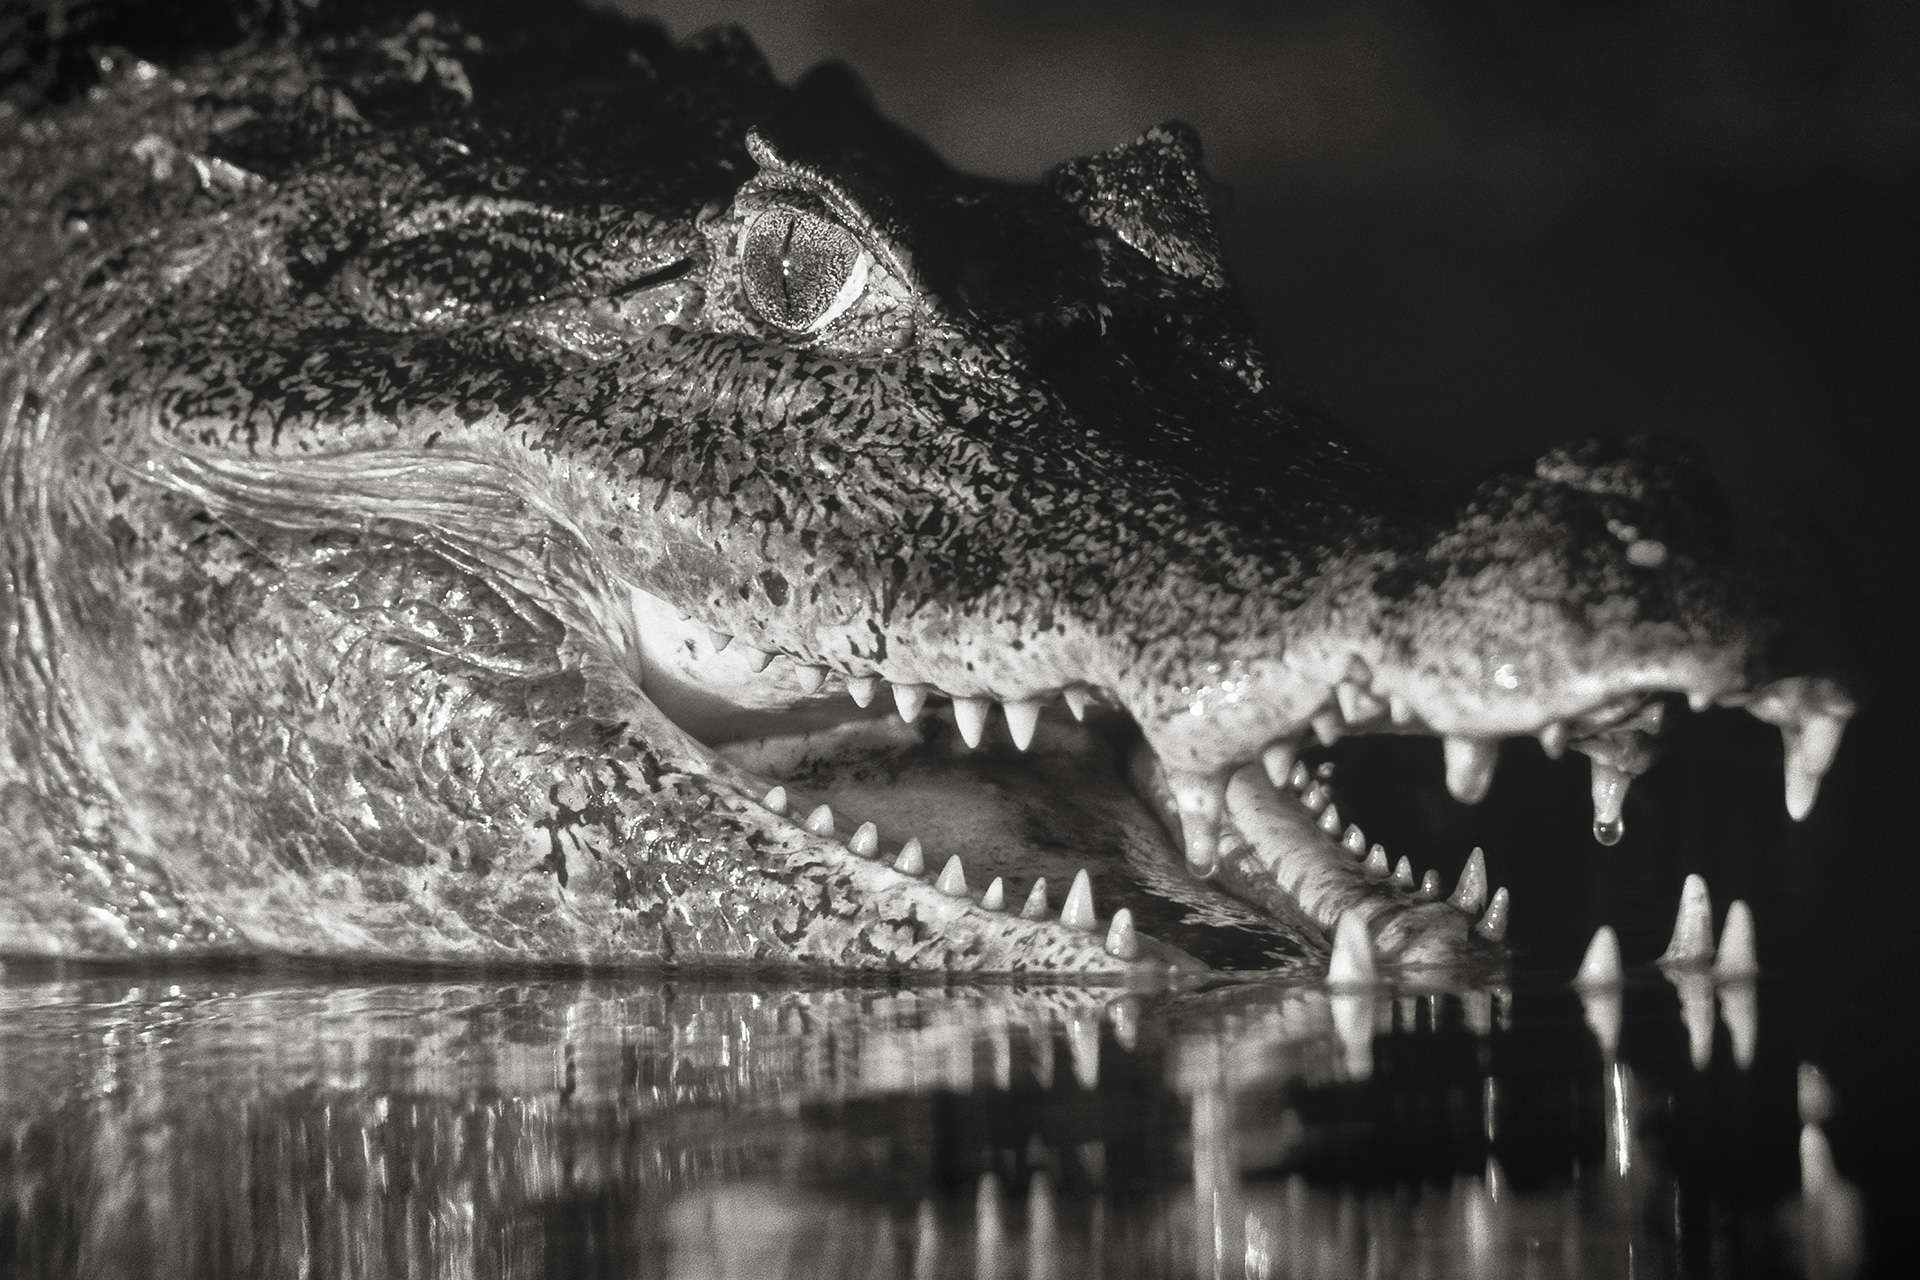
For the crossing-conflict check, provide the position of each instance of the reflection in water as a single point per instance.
(198, 1125)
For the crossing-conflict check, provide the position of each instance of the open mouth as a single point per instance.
(1053, 818)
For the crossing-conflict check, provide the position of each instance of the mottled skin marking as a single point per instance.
(354, 384)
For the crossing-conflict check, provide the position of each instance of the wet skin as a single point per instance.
(479, 496)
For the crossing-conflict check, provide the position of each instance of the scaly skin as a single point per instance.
(388, 418)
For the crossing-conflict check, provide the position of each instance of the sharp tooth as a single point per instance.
(719, 639)
(1122, 941)
(1692, 941)
(1355, 841)
(1324, 771)
(1022, 718)
(1300, 778)
(1079, 698)
(776, 800)
(1327, 726)
(1314, 798)
(1376, 864)
(1402, 872)
(1036, 905)
(971, 715)
(1601, 967)
(866, 841)
(810, 677)
(1814, 1095)
(1199, 799)
(1278, 761)
(1553, 739)
(1493, 925)
(912, 860)
(1699, 700)
(953, 879)
(1330, 822)
(1737, 958)
(1430, 885)
(995, 898)
(908, 699)
(757, 659)
(862, 688)
(1353, 962)
(1083, 1050)
(1609, 796)
(1078, 913)
(1471, 893)
(1810, 751)
(1398, 709)
(1357, 705)
(820, 821)
(1740, 1010)
(1470, 764)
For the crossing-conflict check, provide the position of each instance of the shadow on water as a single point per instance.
(273, 1124)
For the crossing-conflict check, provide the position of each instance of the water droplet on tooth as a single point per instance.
(1078, 912)
(995, 898)
(820, 821)
(1470, 764)
(718, 639)
(757, 659)
(1278, 761)
(971, 715)
(810, 677)
(1079, 698)
(953, 879)
(1122, 942)
(1402, 872)
(1810, 750)
(912, 860)
(908, 699)
(1352, 964)
(1738, 958)
(1330, 822)
(1036, 904)
(776, 800)
(862, 689)
(1692, 941)
(1609, 796)
(866, 841)
(1601, 967)
(1022, 718)
(1355, 841)
(1471, 893)
(1430, 885)
(1376, 864)
(1493, 925)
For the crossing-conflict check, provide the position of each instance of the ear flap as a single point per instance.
(1154, 193)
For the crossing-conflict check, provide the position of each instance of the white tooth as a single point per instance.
(1277, 760)
(953, 879)
(809, 677)
(862, 688)
(1327, 726)
(820, 821)
(1553, 739)
(1471, 893)
(1314, 798)
(908, 699)
(1810, 752)
(866, 841)
(1357, 704)
(971, 715)
(1493, 925)
(1079, 698)
(1601, 967)
(1301, 777)
(912, 860)
(1602, 1006)
(1692, 941)
(1355, 842)
(776, 800)
(1699, 700)
(1738, 957)
(1402, 872)
(1814, 1095)
(1609, 797)
(1324, 771)
(1696, 1014)
(995, 898)
(1376, 864)
(1036, 905)
(1353, 962)
(757, 659)
(1430, 885)
(719, 639)
(1470, 764)
(1122, 941)
(1083, 1050)
(1740, 1010)
(1398, 710)
(1330, 822)
(1022, 719)
(1078, 913)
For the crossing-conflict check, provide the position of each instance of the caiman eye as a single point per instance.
(801, 271)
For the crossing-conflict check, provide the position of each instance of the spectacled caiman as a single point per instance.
(476, 493)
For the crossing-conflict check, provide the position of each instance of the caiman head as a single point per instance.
(899, 513)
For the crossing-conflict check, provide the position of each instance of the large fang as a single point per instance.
(1810, 751)
(865, 842)
(1493, 925)
(1470, 895)
(1199, 799)
(1022, 719)
(971, 715)
(1278, 762)
(1738, 957)
(1122, 942)
(908, 699)
(953, 879)
(1609, 797)
(862, 688)
(820, 821)
(912, 860)
(1469, 767)
(1036, 904)
(1693, 927)
(1078, 913)
(1353, 961)
(1601, 967)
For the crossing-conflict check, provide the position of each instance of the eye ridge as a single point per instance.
(801, 271)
